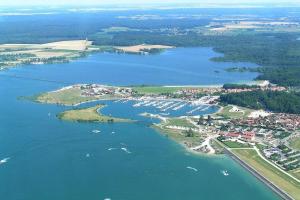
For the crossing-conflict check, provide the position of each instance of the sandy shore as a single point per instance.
(139, 48)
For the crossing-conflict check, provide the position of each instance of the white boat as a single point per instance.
(206, 108)
(225, 173)
(143, 103)
(150, 103)
(164, 114)
(179, 107)
(171, 106)
(137, 104)
(5, 160)
(160, 103)
(165, 105)
(96, 131)
(194, 110)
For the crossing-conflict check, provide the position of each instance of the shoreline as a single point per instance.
(90, 114)
(187, 149)
(257, 175)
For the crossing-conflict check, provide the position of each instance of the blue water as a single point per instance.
(181, 66)
(49, 157)
(121, 110)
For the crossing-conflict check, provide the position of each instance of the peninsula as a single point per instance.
(91, 114)
(12, 55)
(264, 140)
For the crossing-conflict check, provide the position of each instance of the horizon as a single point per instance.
(153, 3)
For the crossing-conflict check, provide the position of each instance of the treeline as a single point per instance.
(275, 101)
(272, 53)
(277, 52)
(14, 57)
(284, 76)
(239, 86)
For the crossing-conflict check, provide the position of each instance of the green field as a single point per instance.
(232, 144)
(295, 173)
(180, 122)
(225, 112)
(180, 135)
(270, 172)
(156, 89)
(88, 115)
(66, 97)
(295, 143)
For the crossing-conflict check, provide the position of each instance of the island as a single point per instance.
(91, 114)
(142, 49)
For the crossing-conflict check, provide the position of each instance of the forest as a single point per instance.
(275, 101)
(277, 54)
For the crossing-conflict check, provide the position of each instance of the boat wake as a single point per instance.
(126, 150)
(192, 168)
(5, 160)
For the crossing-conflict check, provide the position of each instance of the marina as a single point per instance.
(37, 147)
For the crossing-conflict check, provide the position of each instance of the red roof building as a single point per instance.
(233, 135)
(248, 135)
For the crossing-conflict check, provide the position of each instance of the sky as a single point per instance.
(141, 2)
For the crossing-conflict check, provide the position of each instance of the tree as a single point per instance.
(201, 120)
(189, 133)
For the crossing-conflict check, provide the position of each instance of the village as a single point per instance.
(231, 126)
(270, 133)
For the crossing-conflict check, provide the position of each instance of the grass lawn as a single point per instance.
(295, 143)
(295, 173)
(155, 89)
(66, 97)
(270, 172)
(225, 112)
(180, 122)
(232, 144)
(180, 137)
(88, 115)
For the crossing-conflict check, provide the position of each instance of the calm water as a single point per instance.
(52, 159)
(182, 66)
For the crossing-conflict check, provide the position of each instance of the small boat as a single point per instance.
(165, 114)
(96, 131)
(87, 155)
(225, 173)
(5, 160)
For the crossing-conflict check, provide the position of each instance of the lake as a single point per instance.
(52, 159)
